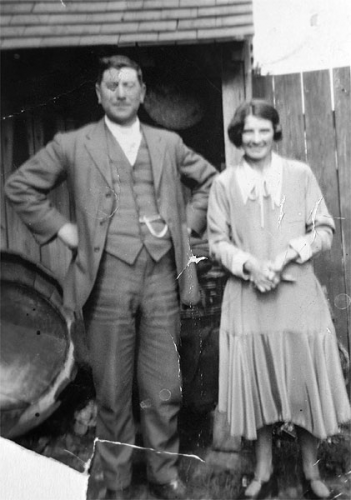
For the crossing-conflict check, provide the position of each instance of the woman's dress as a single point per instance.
(279, 358)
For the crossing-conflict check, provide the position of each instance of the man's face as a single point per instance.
(120, 94)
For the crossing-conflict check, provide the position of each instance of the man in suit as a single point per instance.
(131, 264)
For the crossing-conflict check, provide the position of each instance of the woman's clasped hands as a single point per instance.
(266, 275)
(262, 275)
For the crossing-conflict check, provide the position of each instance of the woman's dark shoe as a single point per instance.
(315, 489)
(259, 489)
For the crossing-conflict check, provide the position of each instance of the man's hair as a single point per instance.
(258, 108)
(117, 62)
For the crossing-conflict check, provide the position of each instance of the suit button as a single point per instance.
(96, 249)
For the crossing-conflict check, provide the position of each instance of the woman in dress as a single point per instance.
(279, 359)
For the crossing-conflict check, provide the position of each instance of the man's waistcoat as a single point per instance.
(135, 200)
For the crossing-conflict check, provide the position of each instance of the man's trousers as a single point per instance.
(133, 325)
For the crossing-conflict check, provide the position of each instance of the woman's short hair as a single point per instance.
(258, 108)
(118, 62)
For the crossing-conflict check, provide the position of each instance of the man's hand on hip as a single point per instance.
(68, 234)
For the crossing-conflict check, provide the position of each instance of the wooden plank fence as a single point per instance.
(315, 111)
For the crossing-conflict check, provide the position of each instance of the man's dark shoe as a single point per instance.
(175, 490)
(124, 494)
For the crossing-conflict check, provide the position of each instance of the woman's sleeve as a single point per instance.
(320, 225)
(219, 231)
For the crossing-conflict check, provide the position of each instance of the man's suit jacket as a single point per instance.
(81, 157)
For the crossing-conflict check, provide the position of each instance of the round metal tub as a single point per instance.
(36, 359)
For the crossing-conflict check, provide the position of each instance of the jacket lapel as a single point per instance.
(157, 150)
(97, 147)
(96, 144)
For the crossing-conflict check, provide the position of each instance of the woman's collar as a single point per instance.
(259, 184)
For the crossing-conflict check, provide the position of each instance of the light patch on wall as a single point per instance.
(301, 35)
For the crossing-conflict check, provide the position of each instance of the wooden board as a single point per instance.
(342, 106)
(288, 102)
(235, 90)
(320, 141)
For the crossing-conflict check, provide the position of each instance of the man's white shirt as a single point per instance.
(128, 137)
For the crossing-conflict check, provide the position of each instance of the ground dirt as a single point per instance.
(209, 474)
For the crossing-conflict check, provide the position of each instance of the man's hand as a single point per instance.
(68, 234)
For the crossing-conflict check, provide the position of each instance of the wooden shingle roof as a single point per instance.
(57, 23)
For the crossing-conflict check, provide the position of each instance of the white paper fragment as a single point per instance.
(25, 475)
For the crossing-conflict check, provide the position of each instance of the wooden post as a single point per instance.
(342, 106)
(288, 102)
(247, 58)
(236, 87)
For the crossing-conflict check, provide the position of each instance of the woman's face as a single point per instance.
(257, 138)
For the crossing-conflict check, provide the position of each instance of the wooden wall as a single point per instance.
(315, 111)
